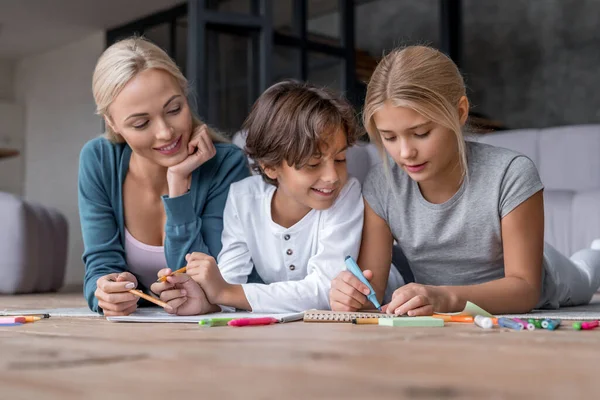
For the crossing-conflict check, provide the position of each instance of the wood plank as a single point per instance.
(75, 358)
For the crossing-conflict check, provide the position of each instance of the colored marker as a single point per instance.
(577, 326)
(11, 323)
(454, 318)
(530, 326)
(12, 320)
(253, 321)
(483, 322)
(509, 323)
(553, 324)
(353, 267)
(215, 321)
(521, 322)
(535, 322)
(589, 325)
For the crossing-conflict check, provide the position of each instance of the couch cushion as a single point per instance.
(585, 220)
(524, 141)
(33, 245)
(558, 219)
(569, 157)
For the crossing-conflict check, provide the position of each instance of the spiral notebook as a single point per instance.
(346, 316)
(340, 316)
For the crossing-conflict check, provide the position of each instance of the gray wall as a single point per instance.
(55, 89)
(527, 63)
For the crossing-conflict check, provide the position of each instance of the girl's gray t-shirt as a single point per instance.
(458, 242)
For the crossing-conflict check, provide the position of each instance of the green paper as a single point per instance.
(471, 309)
(412, 321)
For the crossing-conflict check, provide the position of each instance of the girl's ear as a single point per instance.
(271, 172)
(463, 109)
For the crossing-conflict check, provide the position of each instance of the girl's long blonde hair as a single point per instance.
(420, 78)
(120, 63)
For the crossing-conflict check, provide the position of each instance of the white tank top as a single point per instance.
(143, 260)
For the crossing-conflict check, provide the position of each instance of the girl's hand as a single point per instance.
(112, 292)
(182, 294)
(414, 299)
(347, 292)
(200, 150)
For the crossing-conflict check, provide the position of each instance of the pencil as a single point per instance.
(179, 271)
(365, 321)
(149, 298)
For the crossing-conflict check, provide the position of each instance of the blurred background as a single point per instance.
(527, 64)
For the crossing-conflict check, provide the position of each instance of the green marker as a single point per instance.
(215, 321)
(535, 322)
(577, 326)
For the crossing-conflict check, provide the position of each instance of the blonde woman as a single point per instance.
(153, 189)
(468, 216)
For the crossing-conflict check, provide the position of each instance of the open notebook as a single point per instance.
(155, 314)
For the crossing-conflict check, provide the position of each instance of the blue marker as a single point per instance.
(551, 324)
(509, 323)
(353, 267)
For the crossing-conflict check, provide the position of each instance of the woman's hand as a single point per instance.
(112, 292)
(200, 150)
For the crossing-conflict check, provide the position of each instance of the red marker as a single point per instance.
(253, 321)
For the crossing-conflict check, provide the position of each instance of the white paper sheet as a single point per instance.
(159, 315)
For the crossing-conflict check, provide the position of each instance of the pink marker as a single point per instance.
(13, 320)
(589, 325)
(253, 321)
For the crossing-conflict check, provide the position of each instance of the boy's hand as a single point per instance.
(204, 270)
(347, 292)
(182, 294)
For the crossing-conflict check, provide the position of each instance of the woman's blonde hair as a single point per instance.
(120, 63)
(420, 78)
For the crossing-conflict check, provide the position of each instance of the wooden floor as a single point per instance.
(84, 358)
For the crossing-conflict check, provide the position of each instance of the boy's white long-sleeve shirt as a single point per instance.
(298, 263)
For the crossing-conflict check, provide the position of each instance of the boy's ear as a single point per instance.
(271, 172)
(463, 109)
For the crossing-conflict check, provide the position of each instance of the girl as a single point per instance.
(469, 217)
(154, 188)
(300, 217)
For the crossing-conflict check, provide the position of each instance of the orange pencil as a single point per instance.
(179, 271)
(365, 321)
(151, 299)
(143, 295)
(29, 318)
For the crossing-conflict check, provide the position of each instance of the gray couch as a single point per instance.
(33, 246)
(568, 161)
